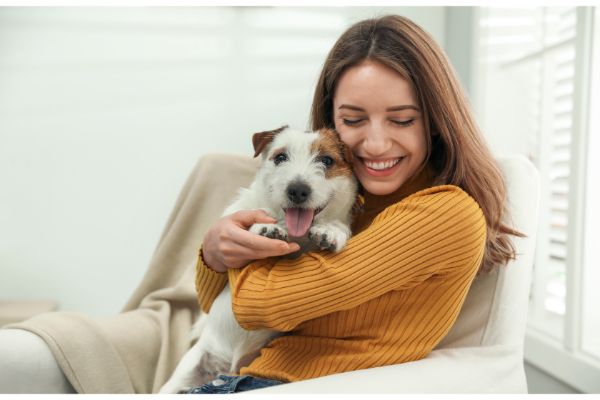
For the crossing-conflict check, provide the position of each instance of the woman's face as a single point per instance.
(376, 115)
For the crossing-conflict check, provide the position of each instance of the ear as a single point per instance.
(344, 150)
(347, 153)
(260, 140)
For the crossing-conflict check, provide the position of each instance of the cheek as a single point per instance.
(418, 143)
(345, 136)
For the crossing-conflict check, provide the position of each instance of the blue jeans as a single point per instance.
(233, 384)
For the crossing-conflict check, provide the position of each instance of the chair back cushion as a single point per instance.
(495, 310)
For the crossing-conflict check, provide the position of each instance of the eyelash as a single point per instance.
(350, 122)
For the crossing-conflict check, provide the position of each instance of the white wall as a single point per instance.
(104, 111)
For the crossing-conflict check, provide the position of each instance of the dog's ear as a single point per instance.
(260, 140)
(344, 150)
(346, 153)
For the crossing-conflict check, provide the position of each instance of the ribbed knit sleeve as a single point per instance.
(209, 283)
(436, 231)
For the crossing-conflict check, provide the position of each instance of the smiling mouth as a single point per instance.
(382, 165)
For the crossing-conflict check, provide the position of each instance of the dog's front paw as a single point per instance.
(272, 231)
(329, 237)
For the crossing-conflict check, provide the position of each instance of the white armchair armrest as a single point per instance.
(494, 369)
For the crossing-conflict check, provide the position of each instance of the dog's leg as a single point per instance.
(197, 328)
(196, 368)
(332, 236)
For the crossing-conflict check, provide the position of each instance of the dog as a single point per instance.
(305, 182)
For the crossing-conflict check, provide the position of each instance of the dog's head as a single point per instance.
(305, 176)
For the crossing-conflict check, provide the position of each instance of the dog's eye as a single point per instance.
(279, 158)
(326, 160)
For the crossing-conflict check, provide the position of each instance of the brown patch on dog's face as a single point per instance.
(328, 144)
(260, 140)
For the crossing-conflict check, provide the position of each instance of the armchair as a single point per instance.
(137, 350)
(483, 353)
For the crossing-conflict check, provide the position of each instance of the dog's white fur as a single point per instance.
(223, 346)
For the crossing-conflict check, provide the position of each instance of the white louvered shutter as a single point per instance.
(528, 55)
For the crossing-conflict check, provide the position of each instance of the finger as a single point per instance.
(247, 218)
(251, 255)
(261, 216)
(280, 251)
(263, 246)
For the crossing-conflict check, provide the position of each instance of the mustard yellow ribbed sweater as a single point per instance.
(389, 297)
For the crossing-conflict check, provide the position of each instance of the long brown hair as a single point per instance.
(457, 151)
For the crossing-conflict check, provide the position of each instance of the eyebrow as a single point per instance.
(394, 108)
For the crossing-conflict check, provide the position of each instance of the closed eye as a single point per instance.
(407, 122)
(351, 122)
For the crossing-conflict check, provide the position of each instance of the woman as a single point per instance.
(430, 221)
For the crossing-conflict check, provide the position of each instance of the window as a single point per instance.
(534, 67)
(591, 272)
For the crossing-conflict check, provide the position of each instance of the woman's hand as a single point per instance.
(228, 244)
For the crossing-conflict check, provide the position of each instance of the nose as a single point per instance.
(376, 140)
(298, 192)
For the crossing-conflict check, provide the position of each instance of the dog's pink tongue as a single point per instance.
(298, 220)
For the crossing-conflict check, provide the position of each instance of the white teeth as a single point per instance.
(381, 165)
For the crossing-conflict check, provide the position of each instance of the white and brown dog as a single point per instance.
(305, 181)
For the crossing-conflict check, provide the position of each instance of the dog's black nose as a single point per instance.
(298, 192)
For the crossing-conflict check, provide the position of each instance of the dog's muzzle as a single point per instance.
(298, 219)
(298, 192)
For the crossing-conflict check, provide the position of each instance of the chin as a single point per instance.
(382, 188)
